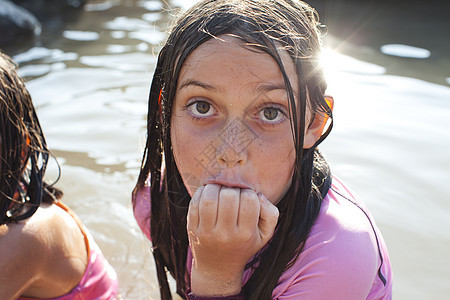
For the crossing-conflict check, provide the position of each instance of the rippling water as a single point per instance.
(391, 140)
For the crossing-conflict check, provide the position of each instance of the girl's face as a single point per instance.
(230, 123)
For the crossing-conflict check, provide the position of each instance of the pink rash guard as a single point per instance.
(344, 257)
(99, 281)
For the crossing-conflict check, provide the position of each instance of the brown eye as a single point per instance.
(271, 113)
(202, 107)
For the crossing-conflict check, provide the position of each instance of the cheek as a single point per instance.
(276, 167)
(284, 169)
(187, 149)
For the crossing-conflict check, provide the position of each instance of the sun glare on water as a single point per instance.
(335, 63)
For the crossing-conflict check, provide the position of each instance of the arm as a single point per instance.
(226, 227)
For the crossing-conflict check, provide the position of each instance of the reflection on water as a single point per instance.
(390, 142)
(80, 35)
(405, 51)
(333, 63)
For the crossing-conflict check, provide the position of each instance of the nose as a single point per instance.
(228, 156)
(234, 142)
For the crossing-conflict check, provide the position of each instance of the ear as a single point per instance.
(317, 126)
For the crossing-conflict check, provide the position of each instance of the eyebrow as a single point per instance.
(263, 88)
(270, 87)
(191, 82)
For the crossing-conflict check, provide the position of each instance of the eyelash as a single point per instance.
(192, 103)
(260, 110)
(272, 124)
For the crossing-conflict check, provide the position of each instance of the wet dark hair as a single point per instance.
(262, 25)
(24, 153)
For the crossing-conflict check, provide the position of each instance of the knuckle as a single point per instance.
(229, 192)
(208, 205)
(247, 235)
(247, 193)
(224, 238)
(275, 213)
(249, 197)
(205, 234)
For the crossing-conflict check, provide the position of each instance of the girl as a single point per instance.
(45, 251)
(233, 193)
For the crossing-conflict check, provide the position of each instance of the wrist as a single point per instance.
(212, 284)
(190, 296)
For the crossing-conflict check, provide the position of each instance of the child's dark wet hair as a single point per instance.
(23, 152)
(264, 26)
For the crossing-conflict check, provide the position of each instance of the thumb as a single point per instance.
(268, 217)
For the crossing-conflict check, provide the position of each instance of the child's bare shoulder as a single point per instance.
(67, 252)
(21, 253)
(41, 235)
(27, 238)
(60, 233)
(47, 246)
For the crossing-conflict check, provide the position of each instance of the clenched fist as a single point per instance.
(226, 227)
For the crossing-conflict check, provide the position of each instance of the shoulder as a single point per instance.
(343, 236)
(19, 237)
(22, 247)
(44, 232)
(49, 246)
(67, 248)
(344, 219)
(340, 255)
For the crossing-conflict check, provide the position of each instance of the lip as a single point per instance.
(229, 182)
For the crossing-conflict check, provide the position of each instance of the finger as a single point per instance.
(193, 213)
(248, 210)
(208, 206)
(268, 217)
(228, 207)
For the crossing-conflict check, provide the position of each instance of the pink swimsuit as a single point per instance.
(344, 257)
(99, 281)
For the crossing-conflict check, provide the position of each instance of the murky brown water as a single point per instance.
(391, 141)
